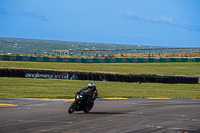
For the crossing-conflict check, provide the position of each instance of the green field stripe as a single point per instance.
(84, 60)
(118, 60)
(19, 58)
(59, 59)
(184, 59)
(32, 58)
(151, 59)
(140, 60)
(173, 59)
(107, 60)
(6, 57)
(71, 59)
(162, 59)
(95, 60)
(196, 59)
(46, 59)
(130, 60)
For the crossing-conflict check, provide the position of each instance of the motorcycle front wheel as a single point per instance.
(72, 107)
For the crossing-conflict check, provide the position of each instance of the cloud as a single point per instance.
(34, 15)
(163, 19)
(3, 11)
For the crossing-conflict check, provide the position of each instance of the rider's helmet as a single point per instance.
(90, 86)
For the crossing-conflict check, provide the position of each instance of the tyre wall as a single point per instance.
(97, 60)
(71, 75)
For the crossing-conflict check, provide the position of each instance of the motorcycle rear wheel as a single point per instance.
(72, 108)
(87, 109)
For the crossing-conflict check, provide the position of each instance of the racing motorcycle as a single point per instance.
(81, 103)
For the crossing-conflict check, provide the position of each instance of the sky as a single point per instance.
(173, 23)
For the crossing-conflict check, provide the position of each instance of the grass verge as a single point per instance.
(169, 68)
(62, 89)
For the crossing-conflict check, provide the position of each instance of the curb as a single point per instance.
(8, 105)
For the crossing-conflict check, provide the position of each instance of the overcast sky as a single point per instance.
(139, 22)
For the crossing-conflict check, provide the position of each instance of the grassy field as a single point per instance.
(170, 68)
(55, 88)
(59, 88)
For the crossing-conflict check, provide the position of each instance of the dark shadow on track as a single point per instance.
(104, 113)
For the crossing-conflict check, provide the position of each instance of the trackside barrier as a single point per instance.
(98, 60)
(97, 76)
(196, 59)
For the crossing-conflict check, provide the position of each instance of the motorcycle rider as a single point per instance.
(92, 91)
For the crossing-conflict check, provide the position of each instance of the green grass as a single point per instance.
(170, 68)
(56, 88)
(59, 88)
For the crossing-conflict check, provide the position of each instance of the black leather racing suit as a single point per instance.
(91, 92)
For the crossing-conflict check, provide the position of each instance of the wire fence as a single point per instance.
(124, 51)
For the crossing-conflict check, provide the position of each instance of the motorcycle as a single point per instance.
(81, 103)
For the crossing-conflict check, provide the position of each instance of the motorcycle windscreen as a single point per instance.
(83, 94)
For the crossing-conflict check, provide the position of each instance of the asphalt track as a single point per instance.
(108, 116)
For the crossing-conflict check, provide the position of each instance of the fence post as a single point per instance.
(167, 50)
(60, 52)
(107, 52)
(113, 52)
(68, 53)
(186, 50)
(120, 51)
(94, 52)
(82, 53)
(132, 51)
(192, 49)
(126, 52)
(161, 50)
(173, 50)
(155, 50)
(88, 53)
(138, 51)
